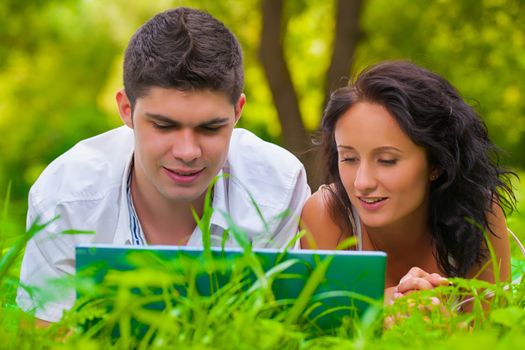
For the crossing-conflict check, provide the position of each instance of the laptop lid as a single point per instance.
(321, 286)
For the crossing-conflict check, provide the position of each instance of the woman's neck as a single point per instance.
(401, 238)
(407, 245)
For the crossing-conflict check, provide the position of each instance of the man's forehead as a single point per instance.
(150, 91)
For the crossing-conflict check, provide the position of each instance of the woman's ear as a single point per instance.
(125, 108)
(435, 172)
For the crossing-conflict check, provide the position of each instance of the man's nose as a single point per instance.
(186, 146)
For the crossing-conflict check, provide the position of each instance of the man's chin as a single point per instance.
(190, 196)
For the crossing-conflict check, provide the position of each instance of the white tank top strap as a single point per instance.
(323, 186)
(356, 227)
(354, 220)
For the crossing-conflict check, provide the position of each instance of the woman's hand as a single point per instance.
(415, 280)
(418, 279)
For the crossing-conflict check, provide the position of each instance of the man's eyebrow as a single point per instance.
(217, 121)
(161, 118)
(167, 120)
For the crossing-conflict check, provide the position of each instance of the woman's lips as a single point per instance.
(372, 203)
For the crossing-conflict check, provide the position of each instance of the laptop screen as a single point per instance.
(320, 287)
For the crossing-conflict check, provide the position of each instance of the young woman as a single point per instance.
(410, 170)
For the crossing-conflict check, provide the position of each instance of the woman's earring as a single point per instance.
(433, 177)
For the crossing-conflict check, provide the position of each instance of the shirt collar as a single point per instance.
(122, 232)
(137, 234)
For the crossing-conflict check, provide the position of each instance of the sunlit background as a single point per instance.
(60, 65)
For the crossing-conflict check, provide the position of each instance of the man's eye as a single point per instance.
(211, 128)
(161, 126)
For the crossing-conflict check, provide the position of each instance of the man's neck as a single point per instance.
(164, 221)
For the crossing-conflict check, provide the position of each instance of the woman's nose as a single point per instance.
(365, 179)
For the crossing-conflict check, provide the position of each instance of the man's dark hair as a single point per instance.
(184, 49)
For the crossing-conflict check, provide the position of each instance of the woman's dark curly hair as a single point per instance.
(433, 114)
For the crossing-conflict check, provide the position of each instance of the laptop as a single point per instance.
(318, 287)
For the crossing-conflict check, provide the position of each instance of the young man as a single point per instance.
(137, 184)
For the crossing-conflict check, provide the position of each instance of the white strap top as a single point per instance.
(354, 220)
(356, 227)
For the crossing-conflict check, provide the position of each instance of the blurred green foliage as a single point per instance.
(478, 45)
(60, 65)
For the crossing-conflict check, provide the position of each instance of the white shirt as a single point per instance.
(86, 188)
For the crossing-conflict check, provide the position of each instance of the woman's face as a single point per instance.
(385, 174)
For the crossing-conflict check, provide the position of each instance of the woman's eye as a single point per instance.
(388, 161)
(348, 159)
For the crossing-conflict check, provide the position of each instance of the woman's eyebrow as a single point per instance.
(378, 149)
(387, 148)
(345, 147)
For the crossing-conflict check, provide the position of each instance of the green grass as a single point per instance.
(241, 316)
(516, 221)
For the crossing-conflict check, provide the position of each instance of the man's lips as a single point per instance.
(185, 172)
(183, 175)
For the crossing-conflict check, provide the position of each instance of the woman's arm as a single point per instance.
(416, 279)
(322, 231)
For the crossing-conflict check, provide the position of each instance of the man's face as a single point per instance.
(181, 141)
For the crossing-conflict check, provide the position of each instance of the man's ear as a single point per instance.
(238, 107)
(124, 107)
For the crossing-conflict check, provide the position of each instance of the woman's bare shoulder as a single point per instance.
(316, 219)
(319, 200)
